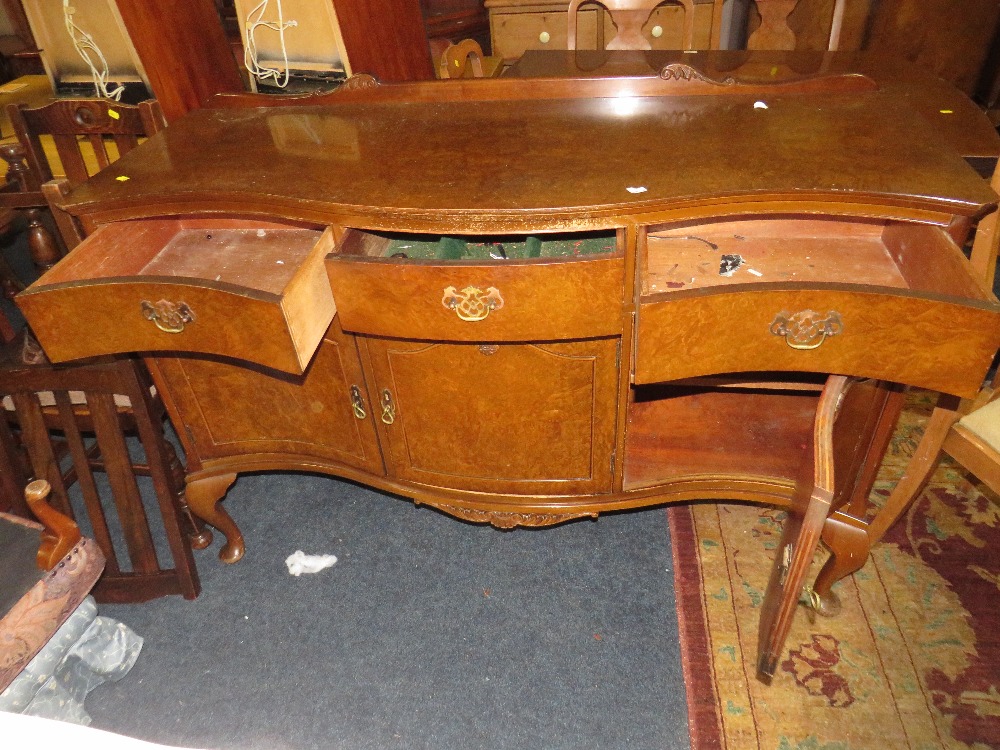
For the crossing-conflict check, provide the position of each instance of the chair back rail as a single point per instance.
(74, 122)
(775, 33)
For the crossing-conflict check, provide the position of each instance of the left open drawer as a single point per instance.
(248, 290)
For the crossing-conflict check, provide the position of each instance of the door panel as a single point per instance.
(234, 410)
(523, 419)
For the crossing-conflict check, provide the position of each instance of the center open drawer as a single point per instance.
(248, 290)
(476, 288)
(852, 296)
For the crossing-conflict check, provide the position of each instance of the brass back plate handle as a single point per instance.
(472, 303)
(806, 329)
(169, 317)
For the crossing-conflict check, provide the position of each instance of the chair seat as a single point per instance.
(985, 423)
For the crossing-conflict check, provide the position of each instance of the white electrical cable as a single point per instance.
(250, 58)
(85, 44)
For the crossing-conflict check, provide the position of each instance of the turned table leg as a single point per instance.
(42, 245)
(204, 496)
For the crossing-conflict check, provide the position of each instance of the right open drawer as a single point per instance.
(873, 298)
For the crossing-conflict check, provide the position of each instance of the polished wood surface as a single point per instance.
(540, 298)
(528, 440)
(954, 118)
(350, 159)
(801, 534)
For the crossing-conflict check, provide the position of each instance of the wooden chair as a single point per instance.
(466, 60)
(64, 423)
(88, 134)
(629, 16)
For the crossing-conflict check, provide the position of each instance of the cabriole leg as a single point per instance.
(203, 496)
(848, 541)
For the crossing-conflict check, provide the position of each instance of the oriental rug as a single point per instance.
(912, 661)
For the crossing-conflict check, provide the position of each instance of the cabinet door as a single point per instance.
(258, 416)
(530, 419)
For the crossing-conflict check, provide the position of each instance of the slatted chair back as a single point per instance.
(629, 17)
(88, 133)
(65, 424)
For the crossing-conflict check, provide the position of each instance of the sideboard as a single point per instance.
(527, 302)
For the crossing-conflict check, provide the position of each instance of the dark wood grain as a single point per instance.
(385, 38)
(184, 51)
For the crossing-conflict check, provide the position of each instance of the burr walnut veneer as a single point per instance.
(524, 302)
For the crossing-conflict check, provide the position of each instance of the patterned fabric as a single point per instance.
(26, 627)
(913, 659)
(84, 653)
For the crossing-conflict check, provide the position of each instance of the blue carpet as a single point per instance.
(427, 633)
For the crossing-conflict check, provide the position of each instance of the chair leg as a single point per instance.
(199, 535)
(919, 470)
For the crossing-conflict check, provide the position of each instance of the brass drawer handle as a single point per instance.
(806, 329)
(472, 303)
(169, 317)
(358, 403)
(388, 408)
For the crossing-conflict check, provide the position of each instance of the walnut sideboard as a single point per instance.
(525, 302)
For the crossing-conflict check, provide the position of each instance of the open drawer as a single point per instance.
(852, 296)
(506, 288)
(248, 290)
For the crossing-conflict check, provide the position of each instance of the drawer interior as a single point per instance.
(404, 247)
(807, 250)
(253, 255)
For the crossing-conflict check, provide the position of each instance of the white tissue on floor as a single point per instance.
(298, 562)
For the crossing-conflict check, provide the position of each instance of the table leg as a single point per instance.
(204, 496)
